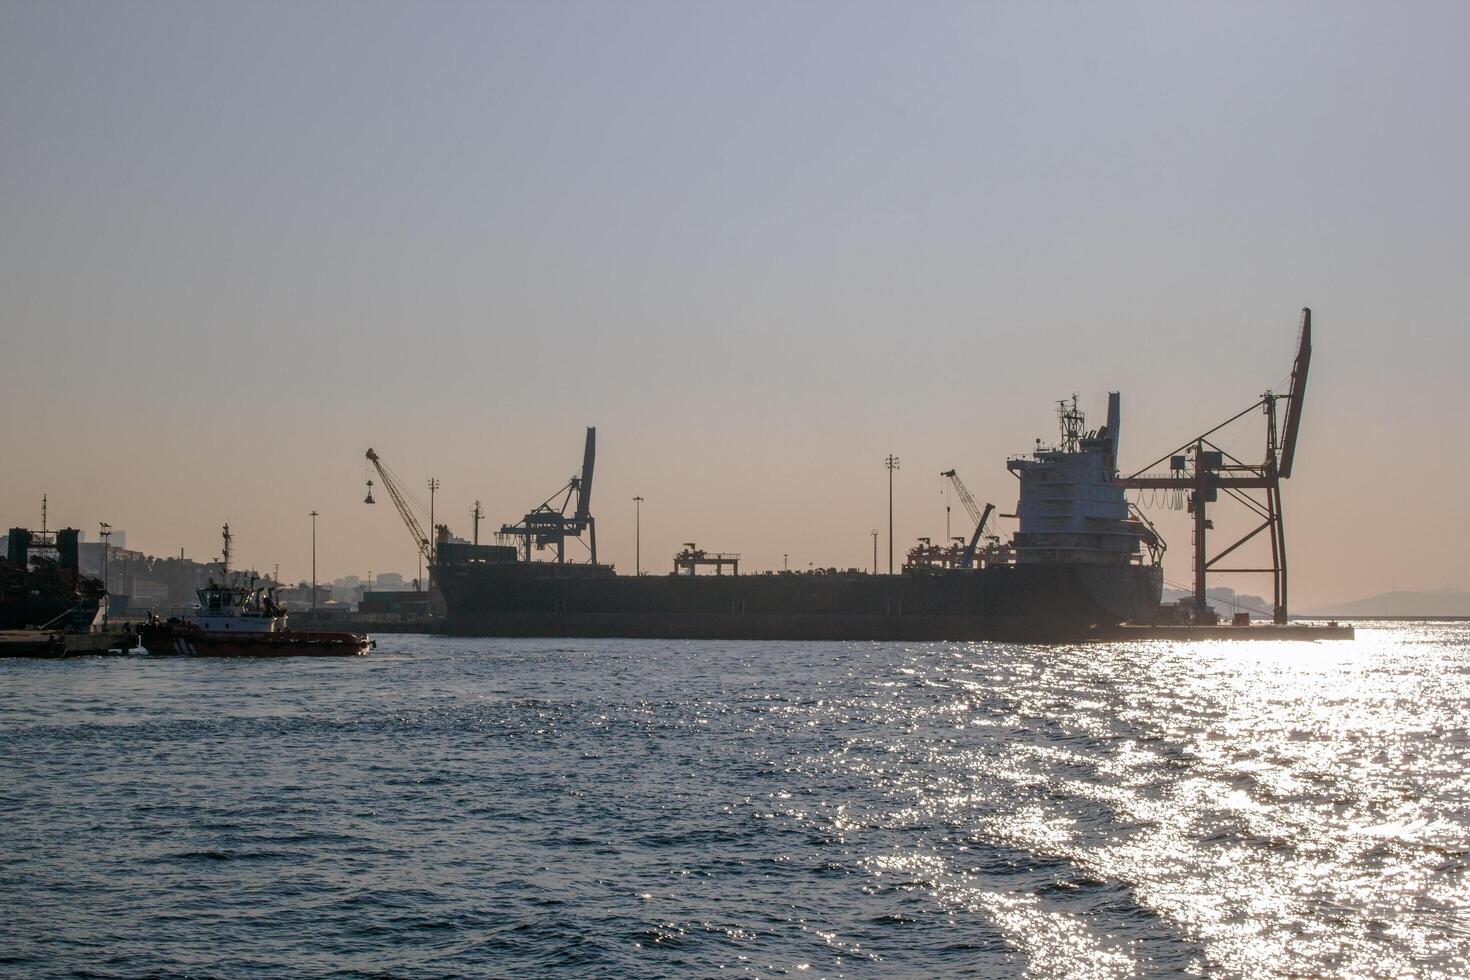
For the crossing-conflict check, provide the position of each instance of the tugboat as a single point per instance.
(242, 620)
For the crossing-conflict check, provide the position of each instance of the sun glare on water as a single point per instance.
(1286, 808)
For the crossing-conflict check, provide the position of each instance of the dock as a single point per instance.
(50, 644)
(1300, 632)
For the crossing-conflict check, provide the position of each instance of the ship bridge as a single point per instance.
(1072, 509)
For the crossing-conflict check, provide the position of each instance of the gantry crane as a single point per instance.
(550, 524)
(976, 515)
(1202, 468)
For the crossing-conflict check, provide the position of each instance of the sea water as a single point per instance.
(493, 807)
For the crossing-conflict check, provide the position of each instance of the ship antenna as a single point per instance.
(1072, 422)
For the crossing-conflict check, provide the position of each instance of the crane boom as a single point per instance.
(1295, 395)
(976, 514)
(584, 488)
(420, 539)
(967, 560)
(966, 498)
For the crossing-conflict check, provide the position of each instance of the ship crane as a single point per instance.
(550, 524)
(388, 482)
(976, 514)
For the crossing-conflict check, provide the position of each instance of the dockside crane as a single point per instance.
(967, 559)
(387, 481)
(550, 524)
(1202, 468)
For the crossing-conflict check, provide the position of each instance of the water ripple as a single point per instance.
(489, 807)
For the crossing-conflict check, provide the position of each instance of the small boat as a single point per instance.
(243, 620)
(239, 621)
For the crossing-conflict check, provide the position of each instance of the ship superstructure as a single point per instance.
(1072, 507)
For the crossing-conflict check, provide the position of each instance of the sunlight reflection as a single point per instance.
(1292, 807)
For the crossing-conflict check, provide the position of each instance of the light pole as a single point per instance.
(433, 532)
(892, 463)
(875, 551)
(313, 564)
(106, 532)
(637, 535)
(785, 563)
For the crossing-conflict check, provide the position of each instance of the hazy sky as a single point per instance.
(760, 246)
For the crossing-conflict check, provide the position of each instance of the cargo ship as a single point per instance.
(1082, 561)
(41, 583)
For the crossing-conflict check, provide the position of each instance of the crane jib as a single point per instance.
(395, 493)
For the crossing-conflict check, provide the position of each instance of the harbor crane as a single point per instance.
(550, 524)
(1201, 469)
(387, 481)
(967, 559)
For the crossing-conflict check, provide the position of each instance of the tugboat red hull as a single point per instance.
(164, 639)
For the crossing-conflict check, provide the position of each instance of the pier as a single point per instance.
(1301, 632)
(48, 644)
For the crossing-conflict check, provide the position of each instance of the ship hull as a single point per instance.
(1018, 602)
(48, 612)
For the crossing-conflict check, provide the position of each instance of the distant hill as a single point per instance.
(1442, 602)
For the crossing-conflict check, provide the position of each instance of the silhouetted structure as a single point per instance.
(1201, 469)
